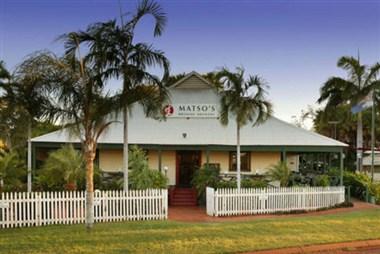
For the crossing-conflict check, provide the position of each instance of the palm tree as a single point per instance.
(27, 94)
(63, 168)
(4, 80)
(4, 73)
(280, 172)
(11, 170)
(113, 50)
(339, 91)
(81, 103)
(245, 100)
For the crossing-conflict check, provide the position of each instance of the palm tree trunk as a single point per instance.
(8, 141)
(125, 148)
(238, 163)
(29, 166)
(359, 143)
(89, 157)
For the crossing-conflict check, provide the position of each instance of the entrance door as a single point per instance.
(187, 163)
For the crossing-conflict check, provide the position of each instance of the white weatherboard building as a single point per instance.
(192, 136)
(367, 163)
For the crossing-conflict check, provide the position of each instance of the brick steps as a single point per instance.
(183, 197)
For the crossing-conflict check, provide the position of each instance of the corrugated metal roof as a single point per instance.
(367, 160)
(199, 131)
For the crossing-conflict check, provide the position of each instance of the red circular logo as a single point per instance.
(168, 110)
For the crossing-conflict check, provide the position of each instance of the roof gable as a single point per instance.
(193, 80)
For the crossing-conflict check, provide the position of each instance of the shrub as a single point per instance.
(64, 169)
(206, 176)
(358, 183)
(297, 179)
(141, 176)
(246, 182)
(12, 171)
(147, 179)
(112, 181)
(331, 178)
(280, 172)
(254, 183)
(61, 169)
(321, 180)
(227, 184)
(334, 176)
(374, 190)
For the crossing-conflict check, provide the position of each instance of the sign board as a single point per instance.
(191, 110)
(4, 204)
(263, 197)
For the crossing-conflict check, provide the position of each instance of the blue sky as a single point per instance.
(294, 45)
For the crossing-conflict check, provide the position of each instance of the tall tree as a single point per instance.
(27, 95)
(82, 104)
(341, 121)
(245, 101)
(4, 130)
(4, 73)
(13, 116)
(360, 82)
(112, 49)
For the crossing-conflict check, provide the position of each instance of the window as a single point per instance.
(245, 159)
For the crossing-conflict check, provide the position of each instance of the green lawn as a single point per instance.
(173, 237)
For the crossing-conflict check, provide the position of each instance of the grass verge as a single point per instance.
(174, 237)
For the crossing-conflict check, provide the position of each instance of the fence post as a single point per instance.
(366, 194)
(38, 208)
(2, 210)
(348, 195)
(104, 197)
(165, 196)
(215, 198)
(210, 198)
(304, 197)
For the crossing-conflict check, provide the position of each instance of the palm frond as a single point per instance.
(4, 73)
(371, 77)
(336, 91)
(245, 100)
(148, 7)
(355, 69)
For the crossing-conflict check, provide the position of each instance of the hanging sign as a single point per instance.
(191, 110)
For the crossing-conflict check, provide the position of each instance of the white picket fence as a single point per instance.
(228, 202)
(44, 208)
